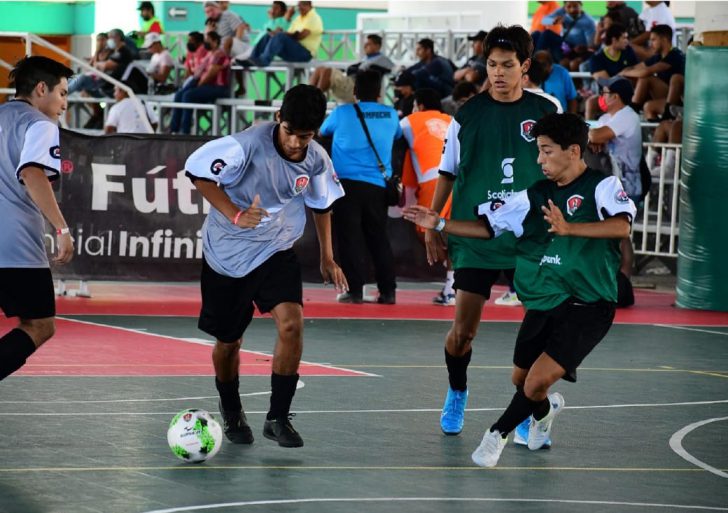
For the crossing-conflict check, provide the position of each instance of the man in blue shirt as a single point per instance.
(433, 71)
(360, 217)
(558, 81)
(577, 35)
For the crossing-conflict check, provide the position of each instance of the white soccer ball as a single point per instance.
(194, 436)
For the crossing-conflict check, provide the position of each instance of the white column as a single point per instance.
(711, 17)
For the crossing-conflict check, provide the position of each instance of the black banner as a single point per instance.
(135, 216)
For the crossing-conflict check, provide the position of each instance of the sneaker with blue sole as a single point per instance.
(453, 412)
(520, 435)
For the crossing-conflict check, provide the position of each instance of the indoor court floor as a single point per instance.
(84, 422)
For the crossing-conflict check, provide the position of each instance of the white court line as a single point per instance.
(676, 445)
(437, 499)
(724, 333)
(204, 342)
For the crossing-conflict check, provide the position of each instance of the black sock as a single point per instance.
(519, 410)
(15, 347)
(283, 389)
(457, 370)
(541, 409)
(229, 394)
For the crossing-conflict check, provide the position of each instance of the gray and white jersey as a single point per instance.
(249, 163)
(27, 138)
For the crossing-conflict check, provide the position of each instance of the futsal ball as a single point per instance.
(194, 436)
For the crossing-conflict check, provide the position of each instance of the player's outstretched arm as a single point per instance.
(41, 192)
(244, 218)
(429, 219)
(616, 227)
(330, 271)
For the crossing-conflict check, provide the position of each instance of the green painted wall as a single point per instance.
(54, 18)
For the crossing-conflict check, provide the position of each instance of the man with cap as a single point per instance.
(618, 131)
(474, 68)
(150, 23)
(404, 93)
(161, 62)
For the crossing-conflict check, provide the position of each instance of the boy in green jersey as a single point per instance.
(569, 229)
(489, 154)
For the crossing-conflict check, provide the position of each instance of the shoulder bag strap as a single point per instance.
(360, 115)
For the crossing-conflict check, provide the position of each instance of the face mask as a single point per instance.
(191, 47)
(603, 104)
(207, 46)
(111, 44)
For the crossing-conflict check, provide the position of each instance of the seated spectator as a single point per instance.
(600, 35)
(474, 68)
(196, 53)
(461, 93)
(433, 71)
(211, 81)
(279, 19)
(89, 82)
(656, 13)
(404, 94)
(662, 161)
(533, 80)
(161, 63)
(341, 84)
(231, 28)
(150, 23)
(124, 116)
(654, 75)
(621, 13)
(616, 56)
(558, 81)
(299, 44)
(537, 26)
(577, 36)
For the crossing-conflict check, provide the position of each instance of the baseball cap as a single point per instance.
(151, 38)
(145, 5)
(480, 36)
(404, 79)
(620, 86)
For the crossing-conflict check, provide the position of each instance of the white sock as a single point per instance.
(447, 289)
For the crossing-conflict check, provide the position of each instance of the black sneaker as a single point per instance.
(387, 299)
(282, 431)
(236, 428)
(348, 297)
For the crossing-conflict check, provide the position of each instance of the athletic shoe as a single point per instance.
(520, 435)
(453, 412)
(443, 299)
(540, 430)
(235, 425)
(508, 299)
(490, 449)
(348, 297)
(281, 431)
(387, 299)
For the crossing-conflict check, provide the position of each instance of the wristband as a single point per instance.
(440, 225)
(63, 231)
(237, 216)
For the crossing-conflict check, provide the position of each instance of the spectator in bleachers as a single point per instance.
(212, 81)
(341, 84)
(621, 13)
(474, 68)
(656, 13)
(577, 35)
(279, 19)
(432, 70)
(124, 116)
(360, 217)
(89, 81)
(654, 75)
(161, 62)
(537, 26)
(233, 30)
(533, 80)
(668, 131)
(196, 52)
(616, 56)
(404, 94)
(600, 35)
(150, 23)
(461, 93)
(558, 82)
(299, 44)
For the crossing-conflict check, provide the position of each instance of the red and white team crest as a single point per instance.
(301, 183)
(573, 203)
(526, 127)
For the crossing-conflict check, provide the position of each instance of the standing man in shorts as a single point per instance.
(259, 182)
(31, 158)
(569, 229)
(489, 154)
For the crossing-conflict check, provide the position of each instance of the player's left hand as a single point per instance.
(421, 216)
(332, 273)
(553, 215)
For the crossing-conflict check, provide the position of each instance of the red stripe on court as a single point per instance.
(82, 349)
(184, 300)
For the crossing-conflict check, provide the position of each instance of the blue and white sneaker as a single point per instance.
(520, 435)
(453, 412)
(443, 299)
(540, 430)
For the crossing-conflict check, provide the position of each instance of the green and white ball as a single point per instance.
(194, 436)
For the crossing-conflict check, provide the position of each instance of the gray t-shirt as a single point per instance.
(626, 148)
(249, 163)
(27, 138)
(228, 24)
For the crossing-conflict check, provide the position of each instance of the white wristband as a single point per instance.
(440, 225)
(63, 231)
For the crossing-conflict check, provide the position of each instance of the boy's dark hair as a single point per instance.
(614, 31)
(367, 85)
(664, 31)
(30, 71)
(564, 129)
(303, 108)
(614, 16)
(428, 99)
(103, 34)
(282, 5)
(536, 72)
(463, 89)
(513, 38)
(427, 43)
(197, 37)
(116, 33)
(376, 39)
(214, 36)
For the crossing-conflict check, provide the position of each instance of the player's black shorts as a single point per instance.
(479, 281)
(566, 333)
(227, 303)
(27, 293)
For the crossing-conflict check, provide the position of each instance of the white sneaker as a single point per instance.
(540, 431)
(508, 299)
(490, 449)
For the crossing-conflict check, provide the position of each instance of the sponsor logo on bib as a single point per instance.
(554, 260)
(621, 197)
(526, 127)
(55, 152)
(300, 184)
(217, 166)
(573, 203)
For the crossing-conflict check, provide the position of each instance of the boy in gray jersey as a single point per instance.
(30, 161)
(259, 182)
(568, 228)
